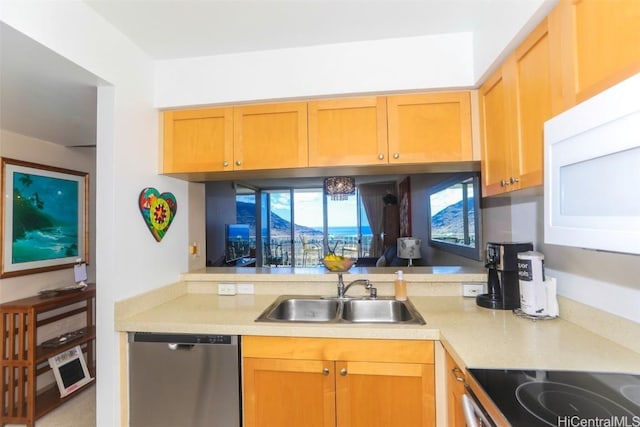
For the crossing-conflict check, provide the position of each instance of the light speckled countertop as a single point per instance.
(476, 337)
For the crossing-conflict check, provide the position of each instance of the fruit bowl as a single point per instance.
(338, 264)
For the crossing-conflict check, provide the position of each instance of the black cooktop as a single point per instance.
(563, 398)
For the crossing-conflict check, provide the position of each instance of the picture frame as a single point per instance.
(44, 218)
(404, 207)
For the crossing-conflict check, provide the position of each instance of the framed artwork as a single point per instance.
(405, 207)
(44, 218)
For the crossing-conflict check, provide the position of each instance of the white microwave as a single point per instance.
(592, 172)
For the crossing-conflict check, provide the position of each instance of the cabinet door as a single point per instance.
(529, 67)
(515, 103)
(601, 45)
(370, 394)
(283, 392)
(494, 125)
(198, 140)
(270, 136)
(346, 132)
(433, 127)
(455, 390)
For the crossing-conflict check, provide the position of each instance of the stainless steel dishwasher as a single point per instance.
(184, 380)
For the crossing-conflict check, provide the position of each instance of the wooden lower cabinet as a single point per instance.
(338, 382)
(289, 392)
(455, 389)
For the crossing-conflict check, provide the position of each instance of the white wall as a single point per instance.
(128, 260)
(493, 43)
(413, 63)
(19, 147)
(603, 280)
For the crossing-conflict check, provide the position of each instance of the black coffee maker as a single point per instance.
(503, 284)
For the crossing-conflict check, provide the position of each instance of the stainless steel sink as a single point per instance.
(379, 311)
(317, 309)
(301, 309)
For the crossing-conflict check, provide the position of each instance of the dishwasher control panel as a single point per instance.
(184, 338)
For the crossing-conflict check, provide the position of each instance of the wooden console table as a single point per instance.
(22, 360)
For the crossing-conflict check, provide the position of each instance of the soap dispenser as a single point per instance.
(401, 286)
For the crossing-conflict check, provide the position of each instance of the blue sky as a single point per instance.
(308, 209)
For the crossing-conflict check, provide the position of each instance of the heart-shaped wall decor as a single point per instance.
(158, 210)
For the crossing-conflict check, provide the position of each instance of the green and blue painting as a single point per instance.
(45, 218)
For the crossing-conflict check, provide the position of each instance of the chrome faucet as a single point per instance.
(342, 289)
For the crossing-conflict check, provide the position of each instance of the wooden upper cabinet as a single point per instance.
(514, 104)
(433, 127)
(494, 128)
(345, 132)
(600, 45)
(533, 84)
(270, 136)
(198, 140)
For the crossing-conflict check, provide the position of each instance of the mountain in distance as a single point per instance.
(448, 222)
(246, 214)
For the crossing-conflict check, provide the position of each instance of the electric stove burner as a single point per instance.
(631, 392)
(533, 398)
(552, 401)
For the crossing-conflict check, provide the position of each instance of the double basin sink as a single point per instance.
(319, 309)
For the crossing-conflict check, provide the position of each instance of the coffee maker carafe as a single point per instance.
(503, 287)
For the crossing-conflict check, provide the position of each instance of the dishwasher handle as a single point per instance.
(175, 346)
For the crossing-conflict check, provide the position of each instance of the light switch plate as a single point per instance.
(472, 289)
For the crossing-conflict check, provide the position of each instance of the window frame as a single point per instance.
(472, 252)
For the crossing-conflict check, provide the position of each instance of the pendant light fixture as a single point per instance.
(339, 187)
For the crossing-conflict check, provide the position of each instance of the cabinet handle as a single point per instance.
(504, 183)
(225, 163)
(396, 155)
(343, 372)
(380, 156)
(238, 163)
(456, 372)
(325, 371)
(514, 180)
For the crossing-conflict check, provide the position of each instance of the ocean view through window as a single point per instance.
(299, 226)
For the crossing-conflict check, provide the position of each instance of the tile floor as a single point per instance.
(77, 412)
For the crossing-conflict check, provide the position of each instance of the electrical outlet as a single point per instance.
(226, 289)
(472, 289)
(245, 288)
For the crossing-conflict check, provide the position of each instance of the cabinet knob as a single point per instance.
(396, 155)
(238, 163)
(514, 180)
(504, 183)
(380, 156)
(343, 372)
(325, 371)
(225, 163)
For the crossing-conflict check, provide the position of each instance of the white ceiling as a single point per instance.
(47, 97)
